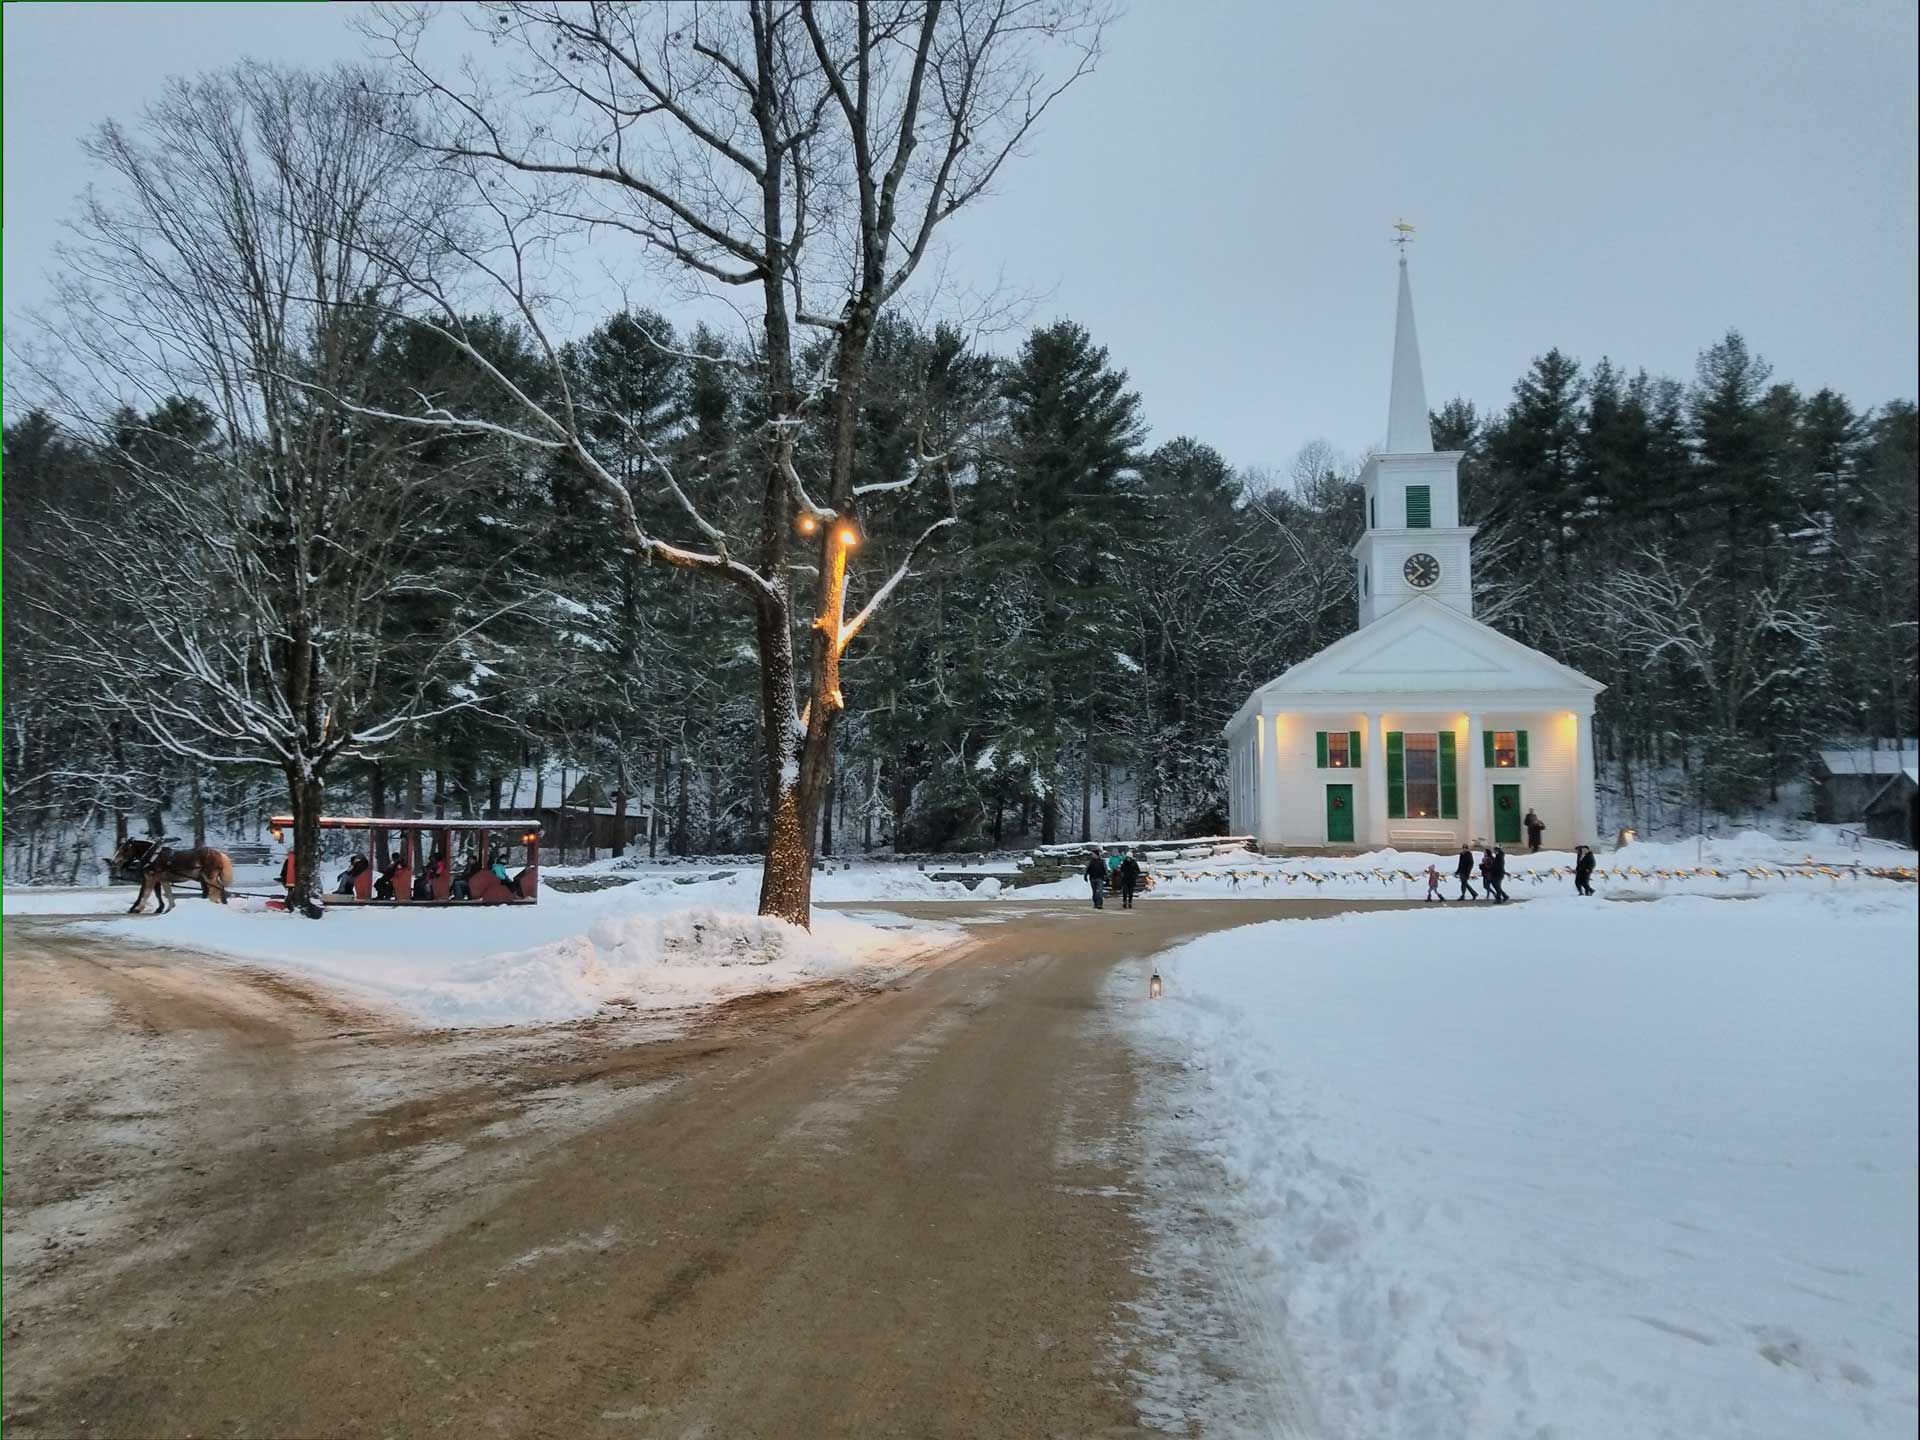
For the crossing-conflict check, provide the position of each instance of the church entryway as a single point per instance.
(1339, 814)
(1506, 814)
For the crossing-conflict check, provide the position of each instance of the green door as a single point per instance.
(1506, 814)
(1339, 814)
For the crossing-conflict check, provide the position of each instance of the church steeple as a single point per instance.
(1408, 432)
(1414, 544)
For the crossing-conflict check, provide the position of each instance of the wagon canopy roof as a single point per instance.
(388, 822)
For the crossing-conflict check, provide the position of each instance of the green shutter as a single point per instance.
(1396, 778)
(1449, 779)
(1353, 749)
(1419, 507)
(1520, 748)
(1373, 515)
(1320, 748)
(1487, 735)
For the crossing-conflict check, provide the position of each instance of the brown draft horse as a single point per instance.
(160, 867)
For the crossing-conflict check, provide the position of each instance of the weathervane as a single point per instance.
(1406, 234)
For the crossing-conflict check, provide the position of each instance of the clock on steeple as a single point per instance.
(1414, 543)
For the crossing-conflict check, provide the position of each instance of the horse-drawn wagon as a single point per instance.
(422, 865)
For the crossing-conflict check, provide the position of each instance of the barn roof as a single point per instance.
(1887, 759)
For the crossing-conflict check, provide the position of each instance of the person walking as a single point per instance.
(1583, 863)
(1536, 827)
(1497, 876)
(1433, 884)
(1486, 872)
(1129, 880)
(1097, 879)
(1463, 872)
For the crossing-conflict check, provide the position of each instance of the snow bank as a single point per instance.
(649, 945)
(1568, 1169)
(65, 899)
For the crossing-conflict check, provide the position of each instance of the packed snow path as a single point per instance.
(235, 1206)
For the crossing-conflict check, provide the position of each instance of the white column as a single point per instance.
(1584, 801)
(1473, 783)
(1374, 762)
(1270, 827)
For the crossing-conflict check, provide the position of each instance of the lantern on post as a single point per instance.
(1153, 986)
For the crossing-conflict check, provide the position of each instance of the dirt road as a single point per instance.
(235, 1207)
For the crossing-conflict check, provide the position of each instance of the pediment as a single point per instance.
(1425, 646)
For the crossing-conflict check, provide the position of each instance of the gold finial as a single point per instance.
(1406, 234)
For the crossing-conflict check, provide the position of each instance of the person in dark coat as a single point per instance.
(1583, 863)
(1463, 872)
(1129, 880)
(1097, 879)
(1536, 827)
(383, 882)
(1497, 875)
(344, 881)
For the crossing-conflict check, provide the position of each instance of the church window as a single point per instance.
(1373, 514)
(1506, 749)
(1363, 580)
(1422, 761)
(1419, 507)
(1337, 749)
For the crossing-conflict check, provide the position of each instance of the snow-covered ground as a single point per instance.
(645, 946)
(1748, 863)
(1569, 1169)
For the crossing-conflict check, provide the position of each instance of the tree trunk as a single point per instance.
(620, 782)
(681, 839)
(439, 793)
(826, 815)
(493, 794)
(413, 793)
(786, 875)
(866, 837)
(119, 775)
(199, 793)
(307, 794)
(653, 809)
(377, 808)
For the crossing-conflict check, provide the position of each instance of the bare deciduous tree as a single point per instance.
(803, 155)
(230, 282)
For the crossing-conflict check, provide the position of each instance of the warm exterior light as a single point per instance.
(1153, 986)
(808, 524)
(848, 536)
(528, 839)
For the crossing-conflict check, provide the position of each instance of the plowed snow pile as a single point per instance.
(642, 946)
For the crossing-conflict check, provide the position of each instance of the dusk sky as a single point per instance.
(1214, 204)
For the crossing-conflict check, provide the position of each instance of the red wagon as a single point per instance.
(443, 875)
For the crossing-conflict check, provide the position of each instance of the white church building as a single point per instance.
(1423, 728)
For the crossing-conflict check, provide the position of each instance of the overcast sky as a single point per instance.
(1627, 179)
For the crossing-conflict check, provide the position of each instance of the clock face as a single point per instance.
(1421, 570)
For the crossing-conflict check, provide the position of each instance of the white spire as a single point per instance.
(1408, 432)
